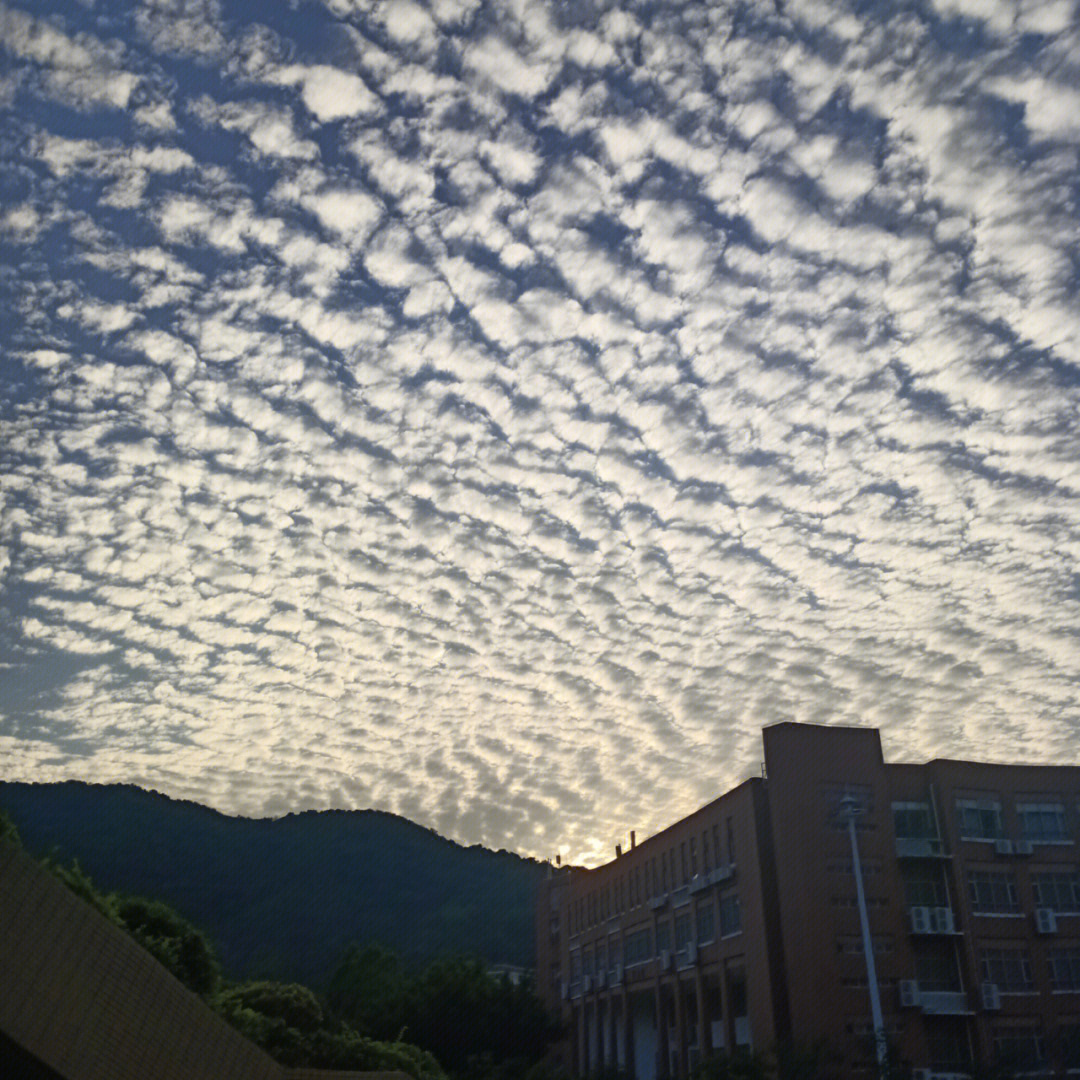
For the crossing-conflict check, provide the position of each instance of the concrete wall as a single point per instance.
(87, 1001)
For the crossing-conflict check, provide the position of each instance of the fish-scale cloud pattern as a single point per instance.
(497, 412)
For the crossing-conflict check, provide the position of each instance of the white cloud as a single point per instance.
(271, 131)
(525, 391)
(328, 92)
(81, 70)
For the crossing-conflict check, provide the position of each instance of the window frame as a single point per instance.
(987, 805)
(992, 967)
(994, 878)
(1048, 807)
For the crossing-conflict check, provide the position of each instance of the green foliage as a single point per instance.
(371, 990)
(8, 833)
(288, 1022)
(478, 1026)
(461, 1013)
(173, 941)
(293, 1004)
(78, 881)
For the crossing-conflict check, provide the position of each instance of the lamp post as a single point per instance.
(849, 811)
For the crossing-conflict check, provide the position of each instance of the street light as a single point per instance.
(850, 809)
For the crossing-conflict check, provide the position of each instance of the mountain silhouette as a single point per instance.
(282, 897)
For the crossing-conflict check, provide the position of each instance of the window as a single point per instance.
(1020, 1049)
(1042, 823)
(948, 1047)
(993, 892)
(927, 891)
(937, 971)
(663, 871)
(638, 947)
(706, 922)
(684, 931)
(693, 856)
(1065, 968)
(979, 819)
(1070, 1046)
(852, 944)
(716, 844)
(1010, 969)
(913, 820)
(614, 952)
(730, 915)
(1058, 890)
(682, 862)
(663, 936)
(706, 861)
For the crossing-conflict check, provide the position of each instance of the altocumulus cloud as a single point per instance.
(497, 412)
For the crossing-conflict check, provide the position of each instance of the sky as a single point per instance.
(497, 413)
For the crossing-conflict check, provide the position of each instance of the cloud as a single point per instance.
(503, 399)
(271, 131)
(328, 92)
(81, 70)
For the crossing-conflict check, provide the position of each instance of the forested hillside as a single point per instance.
(283, 897)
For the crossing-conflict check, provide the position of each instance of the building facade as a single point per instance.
(739, 926)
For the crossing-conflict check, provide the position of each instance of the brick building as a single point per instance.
(740, 924)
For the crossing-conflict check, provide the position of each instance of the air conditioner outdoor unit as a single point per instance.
(1003, 847)
(991, 996)
(1045, 920)
(1024, 847)
(943, 920)
(920, 920)
(665, 959)
(909, 993)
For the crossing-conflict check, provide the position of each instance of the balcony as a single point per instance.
(933, 1001)
(920, 847)
(932, 920)
(944, 1002)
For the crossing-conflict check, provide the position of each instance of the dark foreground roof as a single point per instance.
(87, 1003)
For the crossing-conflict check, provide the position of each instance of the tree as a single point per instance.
(172, 940)
(370, 989)
(8, 832)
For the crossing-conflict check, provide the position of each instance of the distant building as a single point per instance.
(739, 926)
(510, 972)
